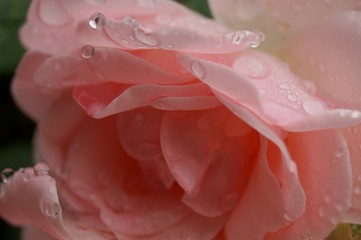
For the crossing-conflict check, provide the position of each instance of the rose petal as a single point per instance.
(278, 20)
(105, 65)
(139, 134)
(120, 99)
(334, 43)
(272, 91)
(186, 103)
(29, 197)
(291, 193)
(199, 152)
(261, 208)
(320, 156)
(30, 99)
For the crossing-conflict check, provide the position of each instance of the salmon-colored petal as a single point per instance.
(139, 134)
(267, 87)
(29, 197)
(333, 65)
(32, 100)
(277, 19)
(320, 156)
(199, 152)
(289, 188)
(105, 65)
(107, 99)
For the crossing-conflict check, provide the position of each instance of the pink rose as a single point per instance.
(155, 123)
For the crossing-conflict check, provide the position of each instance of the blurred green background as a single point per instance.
(15, 129)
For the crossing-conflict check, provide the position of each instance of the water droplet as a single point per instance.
(87, 51)
(287, 217)
(146, 3)
(53, 210)
(341, 152)
(357, 190)
(309, 86)
(359, 177)
(251, 66)
(6, 174)
(52, 190)
(238, 37)
(313, 107)
(41, 169)
(322, 68)
(97, 20)
(146, 37)
(284, 86)
(198, 70)
(205, 122)
(355, 114)
(292, 97)
(255, 39)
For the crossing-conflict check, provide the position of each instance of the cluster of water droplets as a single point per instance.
(252, 39)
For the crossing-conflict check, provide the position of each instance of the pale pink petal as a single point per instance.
(34, 233)
(139, 134)
(333, 65)
(105, 65)
(193, 227)
(289, 190)
(267, 87)
(277, 19)
(320, 156)
(333, 60)
(50, 145)
(211, 165)
(32, 100)
(107, 99)
(29, 197)
(149, 214)
(160, 24)
(353, 139)
(186, 103)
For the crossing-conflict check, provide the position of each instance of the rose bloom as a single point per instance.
(155, 123)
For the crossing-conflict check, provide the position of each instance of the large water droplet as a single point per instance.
(328, 198)
(6, 174)
(97, 20)
(198, 70)
(87, 51)
(251, 66)
(313, 107)
(53, 210)
(41, 169)
(146, 38)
